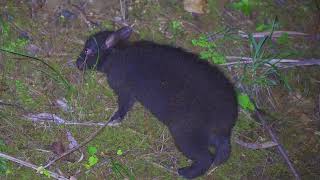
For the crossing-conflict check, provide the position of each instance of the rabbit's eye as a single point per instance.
(86, 51)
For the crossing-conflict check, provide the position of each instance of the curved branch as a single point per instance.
(32, 166)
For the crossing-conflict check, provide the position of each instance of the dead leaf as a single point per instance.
(194, 6)
(58, 148)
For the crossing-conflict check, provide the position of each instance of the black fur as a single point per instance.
(192, 98)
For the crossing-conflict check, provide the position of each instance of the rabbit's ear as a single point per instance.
(121, 34)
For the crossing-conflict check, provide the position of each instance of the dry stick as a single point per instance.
(264, 145)
(281, 63)
(74, 123)
(32, 166)
(123, 9)
(274, 34)
(86, 141)
(280, 147)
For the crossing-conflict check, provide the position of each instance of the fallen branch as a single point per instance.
(123, 9)
(281, 63)
(32, 166)
(52, 118)
(212, 170)
(275, 34)
(255, 146)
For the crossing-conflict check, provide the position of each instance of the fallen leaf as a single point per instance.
(57, 148)
(194, 6)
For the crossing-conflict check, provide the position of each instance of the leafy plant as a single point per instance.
(92, 150)
(261, 71)
(176, 27)
(244, 6)
(209, 53)
(93, 159)
(42, 170)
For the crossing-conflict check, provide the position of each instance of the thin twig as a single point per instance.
(274, 35)
(280, 147)
(75, 123)
(86, 141)
(32, 166)
(264, 145)
(212, 170)
(52, 118)
(281, 63)
(123, 9)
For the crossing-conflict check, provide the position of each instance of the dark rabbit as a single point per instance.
(192, 98)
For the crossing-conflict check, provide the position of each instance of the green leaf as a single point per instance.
(42, 170)
(93, 160)
(46, 173)
(119, 152)
(244, 6)
(92, 150)
(244, 102)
